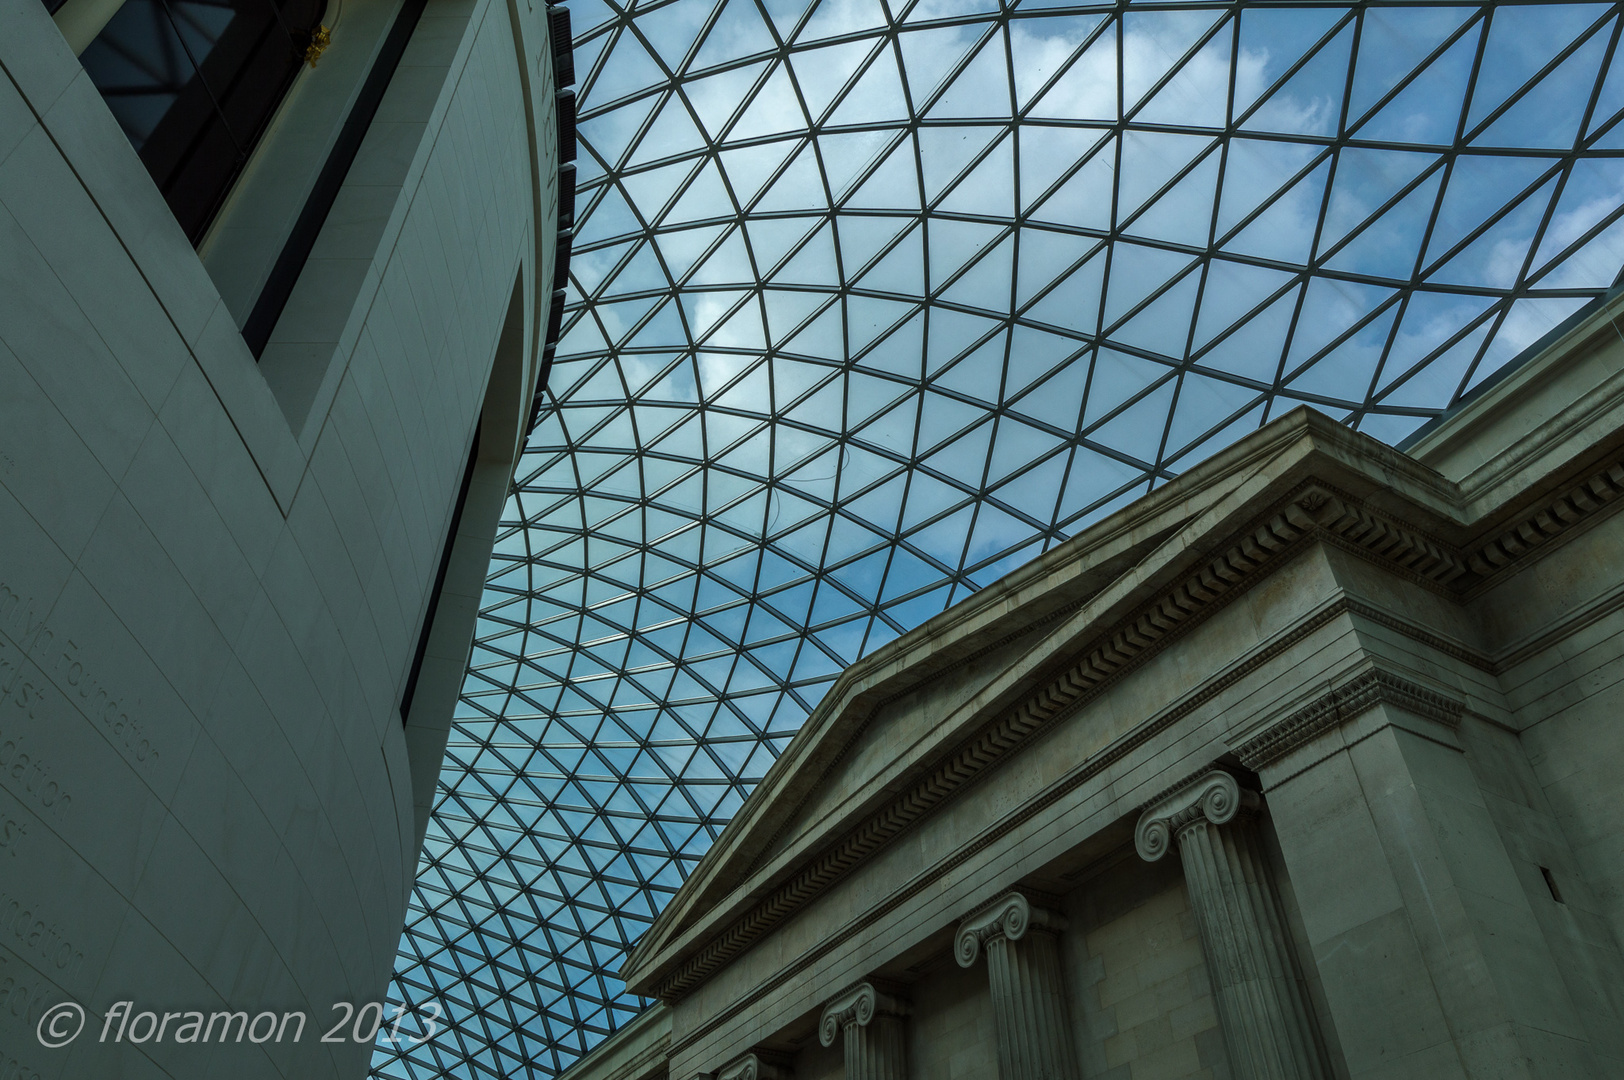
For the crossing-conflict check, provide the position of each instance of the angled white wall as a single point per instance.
(210, 598)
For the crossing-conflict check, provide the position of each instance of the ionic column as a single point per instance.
(751, 1067)
(1028, 994)
(871, 1023)
(1262, 1005)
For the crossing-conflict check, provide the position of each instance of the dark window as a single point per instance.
(194, 82)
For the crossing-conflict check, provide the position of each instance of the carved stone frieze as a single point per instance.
(1343, 703)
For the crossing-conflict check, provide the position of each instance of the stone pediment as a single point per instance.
(993, 672)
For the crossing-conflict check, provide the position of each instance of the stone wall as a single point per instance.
(209, 599)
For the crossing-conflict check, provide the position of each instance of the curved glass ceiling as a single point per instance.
(872, 302)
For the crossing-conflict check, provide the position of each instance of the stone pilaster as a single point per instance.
(871, 1023)
(1262, 1003)
(1028, 993)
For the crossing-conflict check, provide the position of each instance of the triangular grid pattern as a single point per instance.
(871, 303)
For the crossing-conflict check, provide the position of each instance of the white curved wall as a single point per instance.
(208, 608)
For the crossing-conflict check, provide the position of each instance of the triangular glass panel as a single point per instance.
(1074, 304)
(629, 69)
(1230, 293)
(1153, 43)
(901, 270)
(609, 133)
(729, 264)
(775, 110)
(1117, 377)
(986, 284)
(822, 73)
(1347, 372)
(1163, 326)
(1394, 41)
(1149, 160)
(737, 32)
(1388, 246)
(1365, 180)
(1184, 214)
(1329, 309)
(878, 96)
(990, 187)
(1480, 186)
(1310, 102)
(1137, 271)
(1204, 403)
(1271, 41)
(824, 337)
(1253, 351)
(1047, 152)
(1496, 259)
(1138, 430)
(1551, 112)
(1422, 112)
(928, 55)
(953, 244)
(787, 309)
(1284, 231)
(672, 29)
(953, 334)
(1521, 41)
(799, 187)
(1040, 47)
(1088, 89)
(772, 238)
(846, 154)
(1197, 95)
(1087, 197)
(679, 249)
(1046, 255)
(716, 98)
(650, 191)
(981, 90)
(1058, 399)
(945, 152)
(892, 186)
(863, 236)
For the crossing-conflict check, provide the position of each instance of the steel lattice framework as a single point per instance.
(873, 301)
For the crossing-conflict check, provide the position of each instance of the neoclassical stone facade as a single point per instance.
(1304, 766)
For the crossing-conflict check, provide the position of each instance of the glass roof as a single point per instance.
(871, 303)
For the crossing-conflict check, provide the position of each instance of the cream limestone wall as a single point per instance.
(1142, 1004)
(210, 592)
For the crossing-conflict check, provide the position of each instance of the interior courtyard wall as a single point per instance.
(206, 621)
(1140, 997)
(951, 1032)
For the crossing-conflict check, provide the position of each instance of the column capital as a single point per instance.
(859, 1005)
(751, 1067)
(1010, 916)
(1214, 796)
